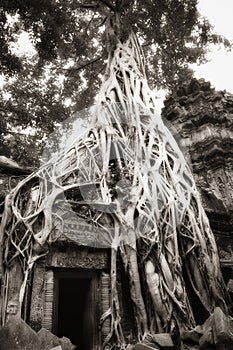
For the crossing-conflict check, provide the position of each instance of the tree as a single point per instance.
(128, 179)
(70, 45)
(28, 113)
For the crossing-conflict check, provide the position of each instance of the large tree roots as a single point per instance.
(127, 178)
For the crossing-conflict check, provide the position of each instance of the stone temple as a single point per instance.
(68, 290)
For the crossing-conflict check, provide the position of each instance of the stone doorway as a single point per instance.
(76, 307)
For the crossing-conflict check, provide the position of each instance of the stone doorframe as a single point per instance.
(80, 259)
(100, 297)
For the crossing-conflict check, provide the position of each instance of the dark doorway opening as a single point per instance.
(75, 308)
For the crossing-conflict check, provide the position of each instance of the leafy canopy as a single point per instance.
(71, 51)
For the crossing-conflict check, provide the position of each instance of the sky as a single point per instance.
(219, 70)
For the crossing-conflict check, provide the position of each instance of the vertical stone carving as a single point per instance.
(105, 305)
(14, 278)
(47, 321)
(36, 307)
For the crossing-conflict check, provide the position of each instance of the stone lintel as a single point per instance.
(78, 257)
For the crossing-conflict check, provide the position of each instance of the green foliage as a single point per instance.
(71, 50)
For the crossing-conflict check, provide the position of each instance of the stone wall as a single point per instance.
(203, 118)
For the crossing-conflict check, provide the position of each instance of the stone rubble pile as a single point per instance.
(215, 334)
(161, 341)
(18, 335)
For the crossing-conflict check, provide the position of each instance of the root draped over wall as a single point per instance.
(126, 177)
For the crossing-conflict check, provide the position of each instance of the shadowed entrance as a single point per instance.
(75, 308)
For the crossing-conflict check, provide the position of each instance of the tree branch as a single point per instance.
(10, 165)
(82, 66)
(109, 5)
(95, 5)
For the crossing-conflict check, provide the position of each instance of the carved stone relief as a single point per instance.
(78, 258)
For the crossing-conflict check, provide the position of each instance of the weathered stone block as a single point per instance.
(191, 337)
(18, 335)
(206, 341)
(164, 340)
(217, 332)
(66, 344)
(130, 347)
(222, 330)
(230, 285)
(141, 346)
(47, 339)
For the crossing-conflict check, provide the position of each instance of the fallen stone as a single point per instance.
(230, 285)
(66, 344)
(222, 330)
(190, 347)
(142, 346)
(47, 339)
(206, 340)
(190, 337)
(199, 329)
(217, 332)
(163, 340)
(129, 347)
(18, 335)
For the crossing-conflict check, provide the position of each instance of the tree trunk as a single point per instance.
(143, 200)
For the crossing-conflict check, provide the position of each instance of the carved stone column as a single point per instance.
(47, 321)
(105, 304)
(13, 282)
(37, 297)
